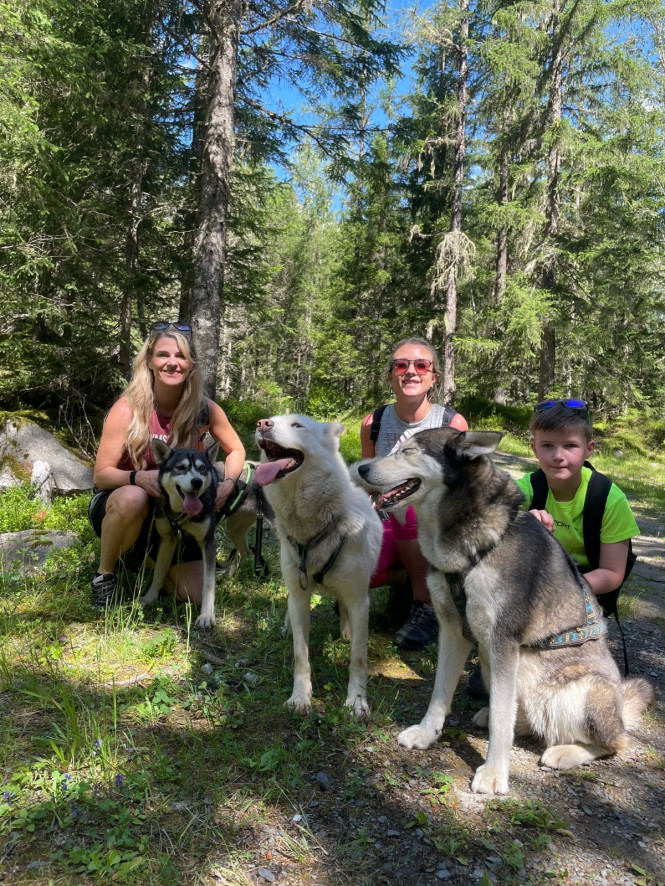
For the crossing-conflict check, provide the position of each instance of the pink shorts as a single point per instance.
(389, 558)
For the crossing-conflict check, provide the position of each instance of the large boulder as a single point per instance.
(31, 547)
(29, 452)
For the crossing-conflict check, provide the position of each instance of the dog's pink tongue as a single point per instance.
(267, 471)
(191, 505)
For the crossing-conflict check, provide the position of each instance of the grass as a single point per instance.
(136, 750)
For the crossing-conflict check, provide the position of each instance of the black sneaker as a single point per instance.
(104, 590)
(475, 685)
(420, 629)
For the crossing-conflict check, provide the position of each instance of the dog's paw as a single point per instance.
(489, 780)
(568, 756)
(418, 738)
(358, 706)
(300, 704)
(149, 597)
(229, 567)
(205, 622)
(481, 718)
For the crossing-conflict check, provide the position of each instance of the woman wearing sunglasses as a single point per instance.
(412, 374)
(164, 399)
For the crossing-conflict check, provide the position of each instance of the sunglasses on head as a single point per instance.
(162, 326)
(576, 405)
(400, 365)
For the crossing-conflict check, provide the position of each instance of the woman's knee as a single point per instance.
(128, 503)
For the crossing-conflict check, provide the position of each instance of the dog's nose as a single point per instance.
(264, 424)
(197, 483)
(363, 470)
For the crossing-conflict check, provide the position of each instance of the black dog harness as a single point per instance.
(303, 550)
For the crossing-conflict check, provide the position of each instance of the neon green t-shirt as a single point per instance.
(618, 520)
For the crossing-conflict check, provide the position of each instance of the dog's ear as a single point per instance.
(474, 443)
(212, 451)
(335, 428)
(161, 450)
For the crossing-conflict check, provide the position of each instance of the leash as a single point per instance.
(303, 550)
(258, 541)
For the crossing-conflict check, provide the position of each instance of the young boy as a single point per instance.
(562, 440)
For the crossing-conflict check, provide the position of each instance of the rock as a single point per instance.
(42, 479)
(31, 547)
(324, 781)
(23, 444)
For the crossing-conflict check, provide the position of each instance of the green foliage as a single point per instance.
(20, 509)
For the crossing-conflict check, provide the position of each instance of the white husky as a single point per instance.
(330, 538)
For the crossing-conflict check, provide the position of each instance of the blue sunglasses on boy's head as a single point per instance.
(575, 405)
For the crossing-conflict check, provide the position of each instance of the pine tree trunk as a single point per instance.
(132, 250)
(501, 267)
(448, 383)
(218, 145)
(546, 376)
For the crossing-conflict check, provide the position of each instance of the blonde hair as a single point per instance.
(141, 398)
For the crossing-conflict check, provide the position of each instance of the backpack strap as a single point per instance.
(448, 415)
(540, 490)
(377, 415)
(594, 507)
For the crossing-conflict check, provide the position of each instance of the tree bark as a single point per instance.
(132, 249)
(546, 375)
(448, 383)
(209, 252)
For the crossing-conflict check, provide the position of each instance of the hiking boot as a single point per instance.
(104, 590)
(475, 685)
(420, 629)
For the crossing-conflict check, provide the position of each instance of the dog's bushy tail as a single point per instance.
(637, 695)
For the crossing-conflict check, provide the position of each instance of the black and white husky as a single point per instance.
(188, 480)
(329, 535)
(498, 576)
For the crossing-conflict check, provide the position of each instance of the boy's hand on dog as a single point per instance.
(545, 518)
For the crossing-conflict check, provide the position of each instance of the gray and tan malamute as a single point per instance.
(329, 535)
(498, 576)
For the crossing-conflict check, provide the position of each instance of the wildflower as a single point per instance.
(66, 779)
(130, 753)
(96, 746)
(7, 797)
(96, 789)
(74, 811)
(119, 779)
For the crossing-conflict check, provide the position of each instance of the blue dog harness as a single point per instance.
(592, 630)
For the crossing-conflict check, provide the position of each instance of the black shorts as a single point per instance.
(147, 544)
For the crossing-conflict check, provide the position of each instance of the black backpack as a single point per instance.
(592, 521)
(448, 415)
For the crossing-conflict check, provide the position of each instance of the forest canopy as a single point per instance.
(307, 182)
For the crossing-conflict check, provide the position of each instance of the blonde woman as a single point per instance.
(164, 399)
(412, 374)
